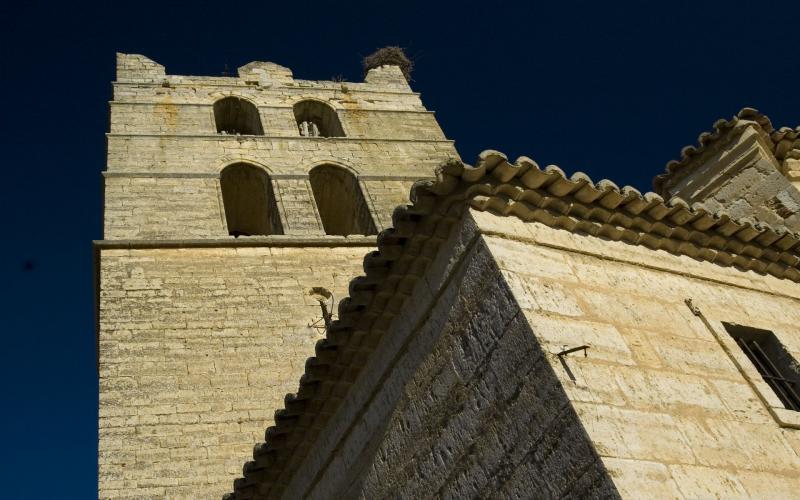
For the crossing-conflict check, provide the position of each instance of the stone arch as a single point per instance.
(317, 119)
(340, 201)
(250, 207)
(237, 116)
(318, 160)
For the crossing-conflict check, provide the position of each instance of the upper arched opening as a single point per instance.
(316, 119)
(340, 202)
(237, 116)
(250, 207)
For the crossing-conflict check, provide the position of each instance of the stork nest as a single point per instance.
(393, 56)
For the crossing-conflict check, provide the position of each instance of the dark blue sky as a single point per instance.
(614, 90)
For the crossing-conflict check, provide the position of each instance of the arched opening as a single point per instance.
(250, 207)
(236, 116)
(340, 201)
(315, 119)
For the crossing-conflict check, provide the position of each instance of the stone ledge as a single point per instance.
(281, 137)
(268, 106)
(215, 175)
(248, 241)
(240, 83)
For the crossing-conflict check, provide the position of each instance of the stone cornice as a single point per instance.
(237, 83)
(269, 106)
(283, 240)
(274, 176)
(222, 137)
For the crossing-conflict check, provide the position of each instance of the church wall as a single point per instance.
(457, 401)
(136, 154)
(197, 348)
(165, 155)
(168, 186)
(670, 411)
(169, 117)
(163, 208)
(199, 341)
(143, 207)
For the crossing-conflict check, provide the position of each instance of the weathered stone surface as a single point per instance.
(664, 405)
(165, 155)
(469, 408)
(467, 389)
(477, 404)
(199, 342)
(738, 173)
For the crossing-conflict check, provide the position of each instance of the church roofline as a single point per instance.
(521, 189)
(781, 142)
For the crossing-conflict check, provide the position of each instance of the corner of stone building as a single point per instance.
(739, 175)
(388, 76)
(458, 376)
(138, 67)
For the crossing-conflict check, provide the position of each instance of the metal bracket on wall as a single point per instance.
(575, 349)
(564, 352)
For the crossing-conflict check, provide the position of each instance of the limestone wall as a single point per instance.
(135, 154)
(669, 410)
(168, 117)
(739, 176)
(466, 395)
(197, 348)
(483, 415)
(191, 207)
(199, 341)
(457, 401)
(164, 155)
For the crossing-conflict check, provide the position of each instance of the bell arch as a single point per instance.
(340, 201)
(250, 207)
(317, 119)
(237, 116)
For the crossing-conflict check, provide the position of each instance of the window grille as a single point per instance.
(775, 365)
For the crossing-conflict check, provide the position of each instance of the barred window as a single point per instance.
(774, 363)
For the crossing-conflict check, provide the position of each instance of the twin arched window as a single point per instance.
(250, 207)
(236, 116)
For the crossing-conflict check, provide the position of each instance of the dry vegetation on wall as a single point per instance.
(395, 56)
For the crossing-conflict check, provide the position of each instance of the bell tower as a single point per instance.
(237, 210)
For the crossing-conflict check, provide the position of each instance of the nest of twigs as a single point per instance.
(393, 56)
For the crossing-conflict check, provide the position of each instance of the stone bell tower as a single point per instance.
(236, 211)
